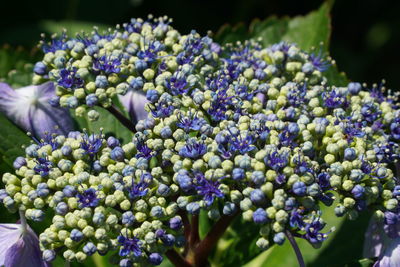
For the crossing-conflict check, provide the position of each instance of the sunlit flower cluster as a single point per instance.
(231, 130)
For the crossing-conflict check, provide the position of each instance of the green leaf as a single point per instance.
(346, 245)
(335, 77)
(311, 30)
(204, 224)
(365, 262)
(15, 58)
(238, 245)
(12, 139)
(107, 122)
(306, 31)
(284, 255)
(16, 66)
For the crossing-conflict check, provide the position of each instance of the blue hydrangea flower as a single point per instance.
(276, 160)
(107, 64)
(260, 216)
(69, 79)
(43, 167)
(313, 231)
(318, 61)
(138, 190)
(129, 246)
(207, 188)
(88, 198)
(193, 149)
(395, 128)
(382, 243)
(192, 122)
(91, 144)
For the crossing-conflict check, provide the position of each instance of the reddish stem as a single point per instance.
(177, 259)
(186, 223)
(204, 248)
(194, 231)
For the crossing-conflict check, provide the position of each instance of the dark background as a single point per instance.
(365, 38)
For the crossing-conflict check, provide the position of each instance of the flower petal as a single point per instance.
(391, 255)
(25, 252)
(375, 239)
(9, 234)
(134, 102)
(28, 107)
(14, 106)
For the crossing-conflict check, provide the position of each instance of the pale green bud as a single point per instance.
(348, 185)
(248, 215)
(277, 227)
(150, 238)
(69, 255)
(236, 196)
(281, 216)
(140, 216)
(271, 212)
(349, 202)
(262, 243)
(111, 201)
(88, 231)
(93, 115)
(391, 204)
(100, 234)
(246, 204)
(80, 256)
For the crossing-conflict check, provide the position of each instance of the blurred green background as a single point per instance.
(365, 34)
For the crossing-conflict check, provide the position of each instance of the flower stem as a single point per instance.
(194, 231)
(67, 263)
(205, 246)
(122, 119)
(295, 248)
(23, 221)
(177, 259)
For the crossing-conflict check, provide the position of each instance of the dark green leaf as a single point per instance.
(204, 224)
(347, 244)
(16, 66)
(107, 122)
(307, 31)
(12, 139)
(284, 255)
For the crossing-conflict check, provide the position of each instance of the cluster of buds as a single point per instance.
(90, 70)
(235, 129)
(101, 200)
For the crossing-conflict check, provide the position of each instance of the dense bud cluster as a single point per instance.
(100, 200)
(238, 129)
(91, 69)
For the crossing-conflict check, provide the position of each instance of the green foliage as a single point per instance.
(16, 65)
(307, 31)
(12, 140)
(107, 122)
